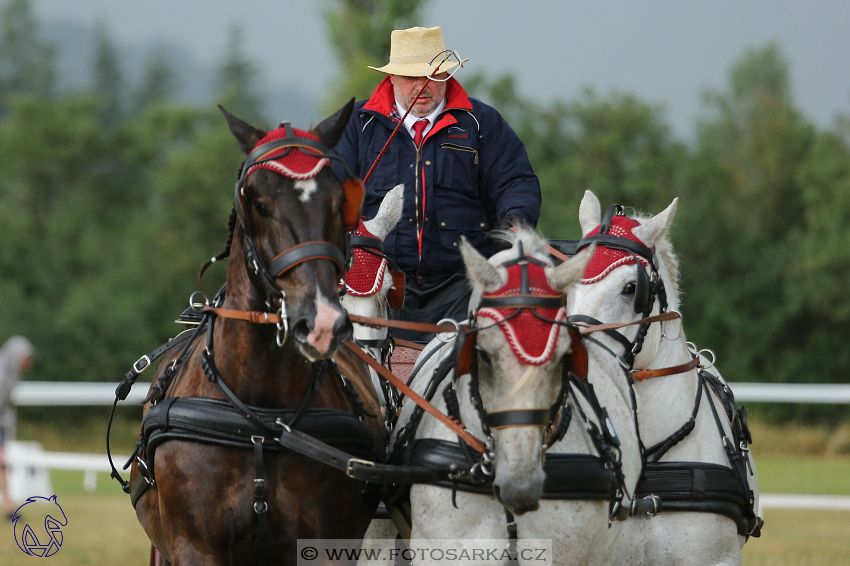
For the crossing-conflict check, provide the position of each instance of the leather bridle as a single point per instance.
(648, 287)
(305, 251)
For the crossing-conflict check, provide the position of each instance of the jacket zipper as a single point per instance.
(416, 201)
(461, 148)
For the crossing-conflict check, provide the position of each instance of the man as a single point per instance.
(15, 359)
(464, 170)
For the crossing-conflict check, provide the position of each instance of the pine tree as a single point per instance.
(237, 78)
(107, 75)
(26, 64)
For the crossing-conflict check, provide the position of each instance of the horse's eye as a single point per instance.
(485, 357)
(262, 209)
(629, 289)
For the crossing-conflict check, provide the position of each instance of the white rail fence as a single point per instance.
(28, 461)
(32, 393)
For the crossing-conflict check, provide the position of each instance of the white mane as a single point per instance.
(667, 256)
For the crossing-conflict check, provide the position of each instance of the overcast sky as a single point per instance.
(665, 51)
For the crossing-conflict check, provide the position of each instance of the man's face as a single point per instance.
(406, 89)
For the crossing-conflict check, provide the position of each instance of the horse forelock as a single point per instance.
(533, 245)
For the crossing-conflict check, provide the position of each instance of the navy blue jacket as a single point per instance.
(470, 173)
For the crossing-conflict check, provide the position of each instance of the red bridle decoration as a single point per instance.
(532, 340)
(605, 259)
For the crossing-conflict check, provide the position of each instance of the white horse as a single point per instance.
(369, 281)
(511, 378)
(666, 402)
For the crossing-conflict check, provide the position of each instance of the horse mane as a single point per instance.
(665, 251)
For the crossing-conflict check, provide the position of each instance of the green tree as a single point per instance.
(360, 32)
(237, 81)
(766, 199)
(108, 82)
(159, 82)
(617, 146)
(26, 63)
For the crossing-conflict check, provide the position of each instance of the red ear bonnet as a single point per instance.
(605, 260)
(295, 162)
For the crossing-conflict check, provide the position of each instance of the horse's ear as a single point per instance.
(564, 276)
(330, 129)
(246, 134)
(654, 229)
(478, 269)
(589, 213)
(388, 214)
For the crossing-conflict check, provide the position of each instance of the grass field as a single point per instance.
(102, 527)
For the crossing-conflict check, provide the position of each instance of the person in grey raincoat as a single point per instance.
(15, 360)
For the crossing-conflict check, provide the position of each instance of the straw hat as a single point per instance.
(411, 50)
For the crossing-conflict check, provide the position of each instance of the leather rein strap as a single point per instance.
(641, 374)
(420, 326)
(590, 328)
(455, 427)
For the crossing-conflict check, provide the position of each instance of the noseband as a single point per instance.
(306, 251)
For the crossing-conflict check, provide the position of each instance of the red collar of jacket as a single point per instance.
(383, 99)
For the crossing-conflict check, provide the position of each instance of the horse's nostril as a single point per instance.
(301, 329)
(343, 329)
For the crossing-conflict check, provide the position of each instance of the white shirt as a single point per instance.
(411, 119)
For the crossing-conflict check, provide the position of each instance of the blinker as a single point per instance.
(353, 204)
(395, 298)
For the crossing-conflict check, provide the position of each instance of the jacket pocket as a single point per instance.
(456, 222)
(458, 169)
(457, 147)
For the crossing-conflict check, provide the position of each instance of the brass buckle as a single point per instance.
(349, 468)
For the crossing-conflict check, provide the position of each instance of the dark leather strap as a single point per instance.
(145, 362)
(367, 242)
(568, 476)
(263, 542)
(587, 329)
(518, 417)
(617, 243)
(695, 486)
(303, 252)
(522, 302)
(364, 470)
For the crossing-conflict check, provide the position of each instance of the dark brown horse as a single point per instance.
(202, 510)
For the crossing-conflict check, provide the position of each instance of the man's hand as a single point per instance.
(512, 220)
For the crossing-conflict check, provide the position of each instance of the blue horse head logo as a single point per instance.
(44, 541)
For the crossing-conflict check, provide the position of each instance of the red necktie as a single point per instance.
(419, 128)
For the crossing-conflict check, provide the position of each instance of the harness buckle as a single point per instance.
(349, 467)
(147, 362)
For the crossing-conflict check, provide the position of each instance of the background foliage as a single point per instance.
(110, 199)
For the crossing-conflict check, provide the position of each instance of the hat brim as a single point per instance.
(416, 69)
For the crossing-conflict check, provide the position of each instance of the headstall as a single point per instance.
(617, 246)
(280, 146)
